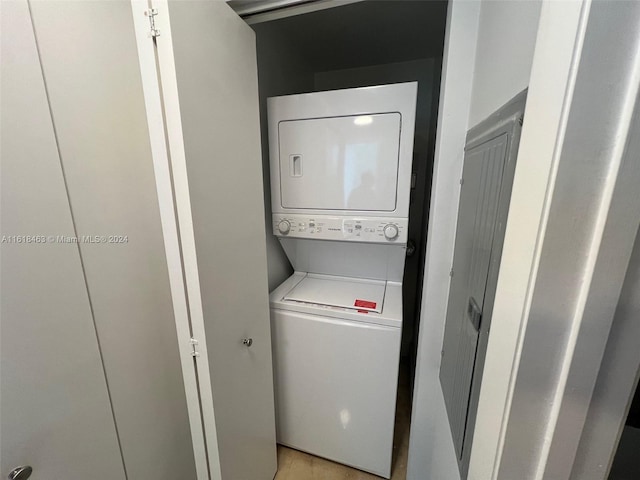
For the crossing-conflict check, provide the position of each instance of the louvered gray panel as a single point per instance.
(484, 199)
(482, 178)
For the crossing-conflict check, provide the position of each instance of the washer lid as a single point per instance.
(354, 293)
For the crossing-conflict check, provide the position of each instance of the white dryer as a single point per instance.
(340, 179)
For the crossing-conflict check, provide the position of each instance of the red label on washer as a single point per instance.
(364, 304)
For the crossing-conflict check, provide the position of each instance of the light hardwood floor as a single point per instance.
(296, 465)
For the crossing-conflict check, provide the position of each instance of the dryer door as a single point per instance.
(340, 163)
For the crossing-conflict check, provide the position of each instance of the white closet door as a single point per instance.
(56, 415)
(208, 74)
(89, 60)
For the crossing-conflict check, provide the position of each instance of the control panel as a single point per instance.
(356, 229)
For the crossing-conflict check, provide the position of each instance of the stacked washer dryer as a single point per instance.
(340, 185)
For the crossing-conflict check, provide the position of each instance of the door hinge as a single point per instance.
(194, 347)
(151, 13)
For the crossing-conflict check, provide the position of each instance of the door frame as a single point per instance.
(616, 384)
(591, 216)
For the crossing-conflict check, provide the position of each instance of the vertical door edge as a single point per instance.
(165, 192)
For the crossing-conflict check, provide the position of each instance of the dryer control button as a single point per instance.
(284, 226)
(390, 231)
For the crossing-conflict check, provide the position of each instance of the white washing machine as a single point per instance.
(340, 178)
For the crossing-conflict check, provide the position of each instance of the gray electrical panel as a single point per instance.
(487, 178)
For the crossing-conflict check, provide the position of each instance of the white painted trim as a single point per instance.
(586, 292)
(164, 189)
(177, 159)
(292, 10)
(593, 222)
(590, 262)
(259, 6)
(552, 74)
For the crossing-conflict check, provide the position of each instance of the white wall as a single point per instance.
(431, 452)
(281, 71)
(504, 54)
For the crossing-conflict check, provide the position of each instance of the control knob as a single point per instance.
(390, 231)
(284, 226)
